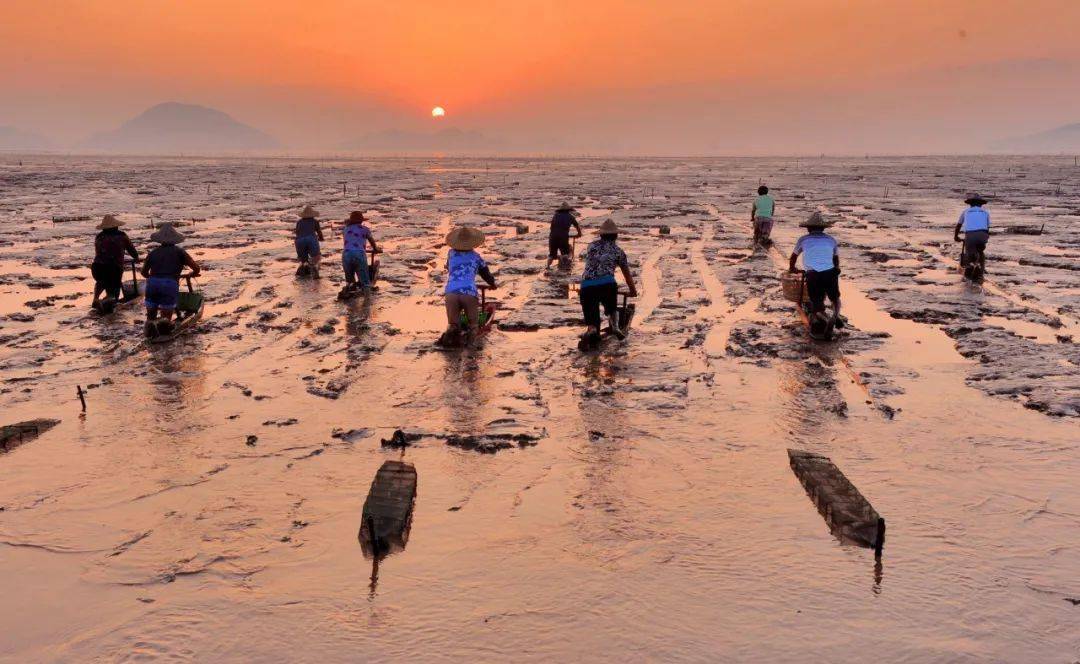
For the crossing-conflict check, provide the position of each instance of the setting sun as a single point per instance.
(438, 112)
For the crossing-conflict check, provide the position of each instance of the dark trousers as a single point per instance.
(822, 284)
(109, 277)
(558, 245)
(594, 296)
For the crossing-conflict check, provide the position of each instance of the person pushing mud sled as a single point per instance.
(599, 288)
(559, 236)
(821, 259)
(465, 318)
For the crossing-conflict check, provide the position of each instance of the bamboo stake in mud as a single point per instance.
(82, 396)
(879, 541)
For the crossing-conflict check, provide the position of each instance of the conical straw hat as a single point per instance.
(465, 238)
(109, 221)
(166, 235)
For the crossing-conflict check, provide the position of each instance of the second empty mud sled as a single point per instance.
(624, 316)
(455, 339)
(849, 515)
(189, 310)
(387, 515)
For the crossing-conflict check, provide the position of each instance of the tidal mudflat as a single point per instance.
(608, 506)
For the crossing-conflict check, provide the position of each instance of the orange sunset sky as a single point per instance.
(678, 77)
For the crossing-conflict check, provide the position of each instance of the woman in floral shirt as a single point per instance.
(598, 285)
(462, 266)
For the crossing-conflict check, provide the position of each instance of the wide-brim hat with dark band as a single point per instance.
(109, 221)
(308, 212)
(465, 238)
(565, 207)
(817, 220)
(975, 199)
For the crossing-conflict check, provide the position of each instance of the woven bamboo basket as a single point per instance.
(792, 285)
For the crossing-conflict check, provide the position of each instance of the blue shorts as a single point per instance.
(306, 247)
(354, 262)
(162, 293)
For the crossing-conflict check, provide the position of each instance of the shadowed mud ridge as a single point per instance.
(570, 505)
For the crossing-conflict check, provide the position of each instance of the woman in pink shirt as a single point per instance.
(354, 257)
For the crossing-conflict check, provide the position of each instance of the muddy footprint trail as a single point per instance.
(586, 505)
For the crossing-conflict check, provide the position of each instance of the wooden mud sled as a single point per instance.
(14, 435)
(848, 514)
(387, 516)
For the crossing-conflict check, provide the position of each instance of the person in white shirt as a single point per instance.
(975, 224)
(821, 260)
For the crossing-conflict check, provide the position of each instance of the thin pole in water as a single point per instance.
(879, 541)
(82, 396)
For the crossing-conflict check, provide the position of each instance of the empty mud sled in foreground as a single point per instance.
(14, 435)
(848, 514)
(387, 517)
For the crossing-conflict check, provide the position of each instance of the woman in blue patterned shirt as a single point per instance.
(462, 266)
(598, 285)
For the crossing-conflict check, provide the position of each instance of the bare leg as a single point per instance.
(453, 311)
(836, 309)
(97, 292)
(472, 310)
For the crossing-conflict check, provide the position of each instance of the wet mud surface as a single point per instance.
(593, 506)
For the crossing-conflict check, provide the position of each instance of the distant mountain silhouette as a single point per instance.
(12, 138)
(450, 140)
(1062, 139)
(173, 127)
